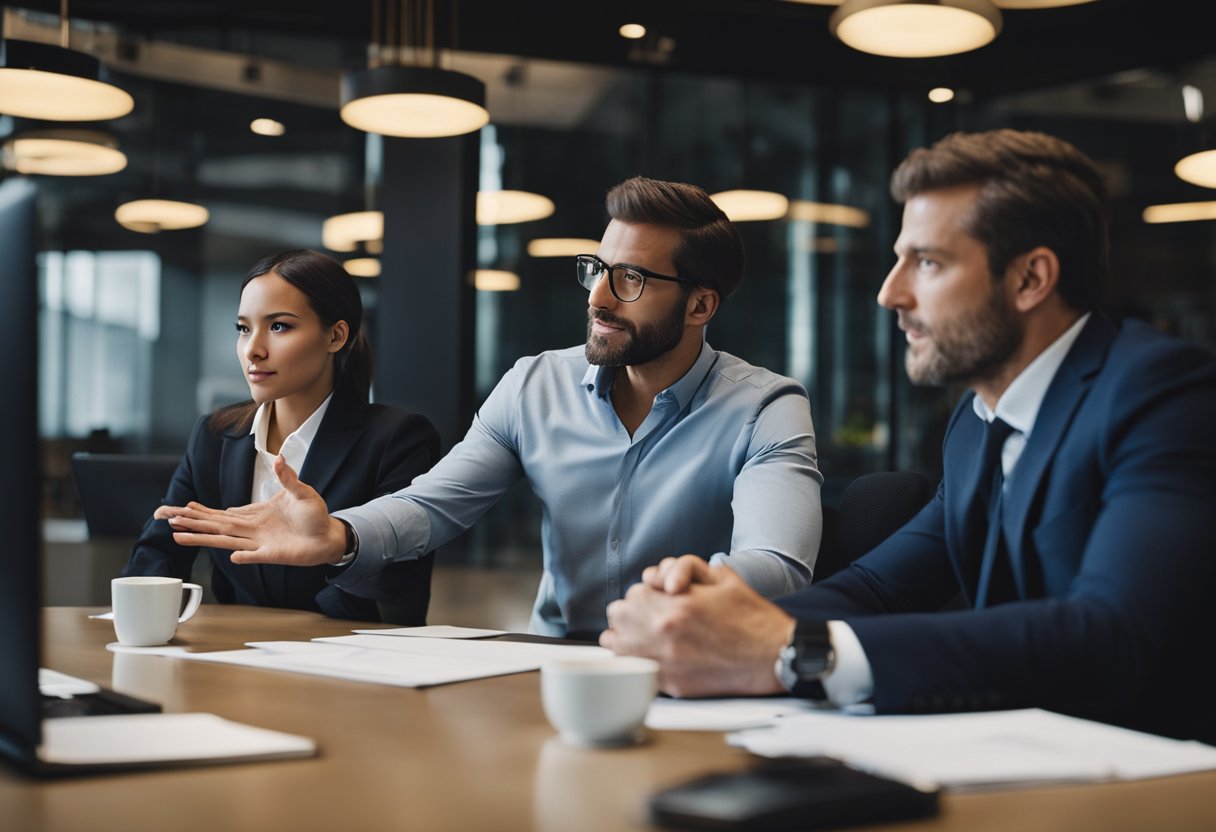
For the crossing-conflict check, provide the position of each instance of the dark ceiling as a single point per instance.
(762, 39)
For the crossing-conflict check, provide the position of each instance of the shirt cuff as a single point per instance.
(851, 680)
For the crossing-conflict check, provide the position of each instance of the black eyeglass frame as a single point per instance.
(610, 270)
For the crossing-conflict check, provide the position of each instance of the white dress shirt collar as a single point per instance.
(1019, 405)
(294, 449)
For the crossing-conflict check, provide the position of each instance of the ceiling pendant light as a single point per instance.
(362, 266)
(63, 153)
(916, 28)
(151, 216)
(744, 205)
(55, 83)
(561, 246)
(495, 280)
(510, 207)
(1180, 212)
(1198, 168)
(414, 101)
(344, 232)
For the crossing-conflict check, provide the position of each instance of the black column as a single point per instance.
(425, 315)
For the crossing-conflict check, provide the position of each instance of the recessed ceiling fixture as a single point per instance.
(63, 153)
(509, 207)
(417, 100)
(344, 232)
(916, 28)
(940, 95)
(495, 280)
(267, 127)
(362, 266)
(150, 216)
(748, 205)
(55, 83)
(561, 246)
(632, 31)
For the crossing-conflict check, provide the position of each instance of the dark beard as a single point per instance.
(968, 351)
(641, 346)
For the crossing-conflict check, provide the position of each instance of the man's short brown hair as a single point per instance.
(1035, 190)
(709, 252)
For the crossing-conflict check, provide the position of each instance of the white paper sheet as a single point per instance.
(390, 660)
(163, 738)
(54, 683)
(980, 749)
(434, 631)
(722, 714)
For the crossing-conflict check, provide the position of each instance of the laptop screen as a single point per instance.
(20, 476)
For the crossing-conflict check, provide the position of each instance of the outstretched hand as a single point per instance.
(716, 636)
(293, 527)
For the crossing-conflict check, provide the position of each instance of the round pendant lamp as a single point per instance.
(151, 216)
(916, 28)
(744, 205)
(413, 102)
(53, 83)
(344, 232)
(416, 100)
(63, 153)
(1198, 168)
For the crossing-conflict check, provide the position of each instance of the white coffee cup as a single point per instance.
(599, 702)
(146, 608)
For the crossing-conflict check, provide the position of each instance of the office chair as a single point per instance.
(119, 492)
(871, 509)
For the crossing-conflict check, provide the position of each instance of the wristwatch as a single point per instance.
(806, 660)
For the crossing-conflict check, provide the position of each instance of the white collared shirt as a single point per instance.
(294, 449)
(852, 680)
(1019, 405)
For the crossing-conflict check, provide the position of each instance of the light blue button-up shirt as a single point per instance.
(723, 466)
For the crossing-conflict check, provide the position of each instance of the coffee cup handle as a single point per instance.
(196, 598)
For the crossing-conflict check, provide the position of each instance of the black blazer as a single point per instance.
(1109, 519)
(360, 452)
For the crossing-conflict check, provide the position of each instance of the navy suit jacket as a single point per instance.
(360, 452)
(1110, 518)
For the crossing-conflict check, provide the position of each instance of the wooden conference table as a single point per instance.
(475, 755)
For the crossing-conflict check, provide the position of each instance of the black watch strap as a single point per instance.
(806, 660)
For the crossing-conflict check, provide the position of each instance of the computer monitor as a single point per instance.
(20, 476)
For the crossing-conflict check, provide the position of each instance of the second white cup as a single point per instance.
(146, 608)
(599, 702)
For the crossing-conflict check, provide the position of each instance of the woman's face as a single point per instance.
(283, 348)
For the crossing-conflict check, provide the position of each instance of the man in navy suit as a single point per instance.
(1081, 543)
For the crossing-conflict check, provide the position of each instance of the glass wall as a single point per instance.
(807, 306)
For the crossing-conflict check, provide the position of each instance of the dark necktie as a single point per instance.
(996, 584)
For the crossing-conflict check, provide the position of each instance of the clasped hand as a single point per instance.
(711, 633)
(293, 527)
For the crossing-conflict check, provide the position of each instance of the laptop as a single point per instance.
(119, 492)
(76, 727)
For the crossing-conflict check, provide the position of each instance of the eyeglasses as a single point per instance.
(626, 282)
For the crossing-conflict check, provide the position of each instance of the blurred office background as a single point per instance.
(137, 334)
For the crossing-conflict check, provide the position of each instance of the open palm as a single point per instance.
(293, 527)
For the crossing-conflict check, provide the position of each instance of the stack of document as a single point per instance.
(973, 750)
(393, 657)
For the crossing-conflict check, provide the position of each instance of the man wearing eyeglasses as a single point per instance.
(643, 443)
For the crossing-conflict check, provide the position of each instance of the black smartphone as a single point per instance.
(790, 793)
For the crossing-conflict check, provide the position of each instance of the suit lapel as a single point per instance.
(1068, 389)
(339, 431)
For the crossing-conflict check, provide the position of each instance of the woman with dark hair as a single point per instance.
(301, 346)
